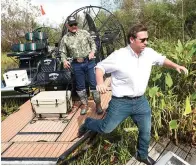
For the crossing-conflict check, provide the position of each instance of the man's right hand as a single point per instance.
(66, 64)
(102, 88)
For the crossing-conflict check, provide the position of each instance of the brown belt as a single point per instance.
(80, 60)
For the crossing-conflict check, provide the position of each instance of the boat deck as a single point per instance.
(25, 137)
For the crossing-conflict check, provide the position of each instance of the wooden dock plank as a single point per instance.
(183, 151)
(16, 121)
(72, 128)
(171, 147)
(75, 107)
(4, 146)
(35, 137)
(193, 150)
(70, 133)
(191, 157)
(45, 126)
(36, 149)
(80, 120)
(158, 148)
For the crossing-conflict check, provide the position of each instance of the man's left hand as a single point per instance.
(182, 68)
(91, 55)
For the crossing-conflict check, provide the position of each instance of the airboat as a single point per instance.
(44, 129)
(42, 45)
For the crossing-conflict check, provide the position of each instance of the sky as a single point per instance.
(57, 9)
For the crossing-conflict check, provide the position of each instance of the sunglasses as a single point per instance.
(73, 25)
(143, 40)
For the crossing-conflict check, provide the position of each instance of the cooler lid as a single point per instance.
(16, 73)
(49, 96)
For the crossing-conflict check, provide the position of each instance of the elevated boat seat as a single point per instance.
(48, 77)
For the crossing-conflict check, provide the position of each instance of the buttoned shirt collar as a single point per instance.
(133, 52)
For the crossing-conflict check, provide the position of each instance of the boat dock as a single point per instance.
(159, 148)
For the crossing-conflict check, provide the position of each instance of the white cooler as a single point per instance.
(52, 102)
(16, 78)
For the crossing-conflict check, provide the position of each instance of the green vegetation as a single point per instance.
(7, 63)
(8, 106)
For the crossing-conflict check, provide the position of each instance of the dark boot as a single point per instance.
(97, 100)
(82, 130)
(147, 161)
(84, 100)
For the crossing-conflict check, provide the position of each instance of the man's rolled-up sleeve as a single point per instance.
(157, 58)
(109, 64)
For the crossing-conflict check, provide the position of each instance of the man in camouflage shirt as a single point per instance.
(79, 45)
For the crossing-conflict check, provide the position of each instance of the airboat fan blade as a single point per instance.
(91, 23)
(110, 37)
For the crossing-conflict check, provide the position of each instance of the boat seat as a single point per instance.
(36, 36)
(18, 47)
(29, 36)
(26, 47)
(37, 44)
(49, 78)
(45, 65)
(41, 36)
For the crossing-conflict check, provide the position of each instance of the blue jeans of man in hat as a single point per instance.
(81, 70)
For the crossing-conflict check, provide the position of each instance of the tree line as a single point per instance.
(166, 19)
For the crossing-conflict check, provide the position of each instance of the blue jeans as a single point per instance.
(81, 70)
(118, 110)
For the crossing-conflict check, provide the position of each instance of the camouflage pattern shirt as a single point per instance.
(76, 45)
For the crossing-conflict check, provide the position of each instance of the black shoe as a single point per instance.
(99, 110)
(147, 161)
(82, 130)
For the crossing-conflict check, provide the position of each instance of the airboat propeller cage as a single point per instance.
(104, 27)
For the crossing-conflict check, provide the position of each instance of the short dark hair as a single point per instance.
(134, 30)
